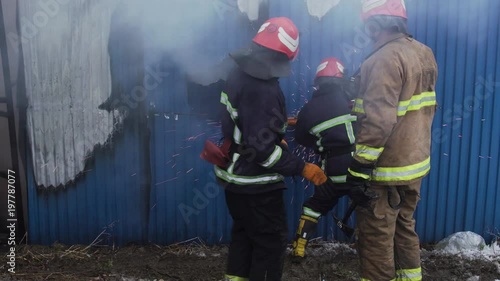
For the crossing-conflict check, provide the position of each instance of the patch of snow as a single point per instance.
(473, 278)
(471, 246)
(324, 248)
(460, 242)
(201, 254)
(319, 8)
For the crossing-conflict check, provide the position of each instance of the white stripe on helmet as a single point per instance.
(287, 40)
(321, 67)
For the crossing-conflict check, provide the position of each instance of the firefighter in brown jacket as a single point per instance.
(395, 107)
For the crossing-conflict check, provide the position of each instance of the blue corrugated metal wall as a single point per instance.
(108, 198)
(461, 193)
(186, 202)
(462, 189)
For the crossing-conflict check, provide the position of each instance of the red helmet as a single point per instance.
(279, 34)
(330, 67)
(394, 8)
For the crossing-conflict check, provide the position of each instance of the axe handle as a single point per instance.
(350, 210)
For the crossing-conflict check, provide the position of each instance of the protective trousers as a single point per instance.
(259, 236)
(324, 199)
(388, 245)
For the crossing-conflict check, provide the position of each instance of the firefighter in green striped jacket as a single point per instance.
(395, 108)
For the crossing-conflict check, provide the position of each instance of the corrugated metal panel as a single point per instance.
(64, 87)
(111, 195)
(108, 198)
(461, 193)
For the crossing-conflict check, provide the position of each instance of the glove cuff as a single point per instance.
(360, 170)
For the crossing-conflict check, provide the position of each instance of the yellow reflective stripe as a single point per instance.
(247, 180)
(339, 120)
(409, 274)
(233, 112)
(308, 218)
(350, 132)
(309, 212)
(404, 173)
(332, 123)
(237, 135)
(339, 179)
(318, 143)
(228, 277)
(367, 152)
(358, 106)
(273, 158)
(417, 102)
(359, 175)
(230, 169)
(283, 129)
(224, 99)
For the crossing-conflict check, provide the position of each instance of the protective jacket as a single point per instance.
(395, 108)
(325, 123)
(255, 121)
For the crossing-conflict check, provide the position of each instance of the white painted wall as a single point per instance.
(67, 77)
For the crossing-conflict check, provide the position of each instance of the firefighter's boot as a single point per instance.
(307, 227)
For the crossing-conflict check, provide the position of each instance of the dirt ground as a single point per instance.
(330, 261)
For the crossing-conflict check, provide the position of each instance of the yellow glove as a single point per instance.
(314, 174)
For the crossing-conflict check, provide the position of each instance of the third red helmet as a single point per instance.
(330, 67)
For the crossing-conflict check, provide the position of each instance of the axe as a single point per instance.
(342, 223)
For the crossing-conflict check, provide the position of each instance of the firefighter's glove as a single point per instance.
(314, 174)
(362, 196)
(359, 174)
(358, 177)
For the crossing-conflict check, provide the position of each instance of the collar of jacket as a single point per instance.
(381, 43)
(334, 90)
(393, 37)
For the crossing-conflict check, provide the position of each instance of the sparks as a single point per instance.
(172, 179)
(195, 137)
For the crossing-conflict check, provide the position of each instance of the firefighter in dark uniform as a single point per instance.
(255, 122)
(325, 123)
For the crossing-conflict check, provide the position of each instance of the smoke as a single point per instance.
(190, 32)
